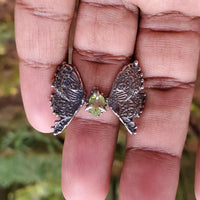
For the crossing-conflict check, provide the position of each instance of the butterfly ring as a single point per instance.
(126, 98)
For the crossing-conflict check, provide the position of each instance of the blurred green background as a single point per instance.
(30, 162)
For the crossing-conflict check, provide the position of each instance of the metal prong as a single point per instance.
(56, 133)
(133, 133)
(137, 116)
(135, 63)
(102, 109)
(88, 108)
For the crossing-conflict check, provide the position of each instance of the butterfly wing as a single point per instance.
(126, 99)
(68, 96)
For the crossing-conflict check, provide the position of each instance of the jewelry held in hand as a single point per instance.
(125, 99)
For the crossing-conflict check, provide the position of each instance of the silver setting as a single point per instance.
(69, 95)
(126, 99)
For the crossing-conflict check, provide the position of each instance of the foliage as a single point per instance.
(31, 162)
(186, 181)
(40, 191)
(9, 78)
(23, 169)
(28, 140)
(6, 32)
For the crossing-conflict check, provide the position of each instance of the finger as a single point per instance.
(104, 42)
(42, 30)
(167, 49)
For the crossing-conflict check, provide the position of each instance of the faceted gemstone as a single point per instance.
(96, 103)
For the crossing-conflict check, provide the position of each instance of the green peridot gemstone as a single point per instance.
(96, 101)
(95, 111)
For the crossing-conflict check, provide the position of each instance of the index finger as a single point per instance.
(42, 31)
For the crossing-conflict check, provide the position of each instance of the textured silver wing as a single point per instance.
(126, 99)
(68, 97)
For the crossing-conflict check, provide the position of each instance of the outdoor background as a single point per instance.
(30, 162)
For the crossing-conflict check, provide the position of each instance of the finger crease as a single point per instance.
(166, 83)
(170, 13)
(101, 57)
(44, 12)
(117, 4)
(167, 30)
(157, 154)
(170, 22)
(37, 64)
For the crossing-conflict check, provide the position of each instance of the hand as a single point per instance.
(166, 43)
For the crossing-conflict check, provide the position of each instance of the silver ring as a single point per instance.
(126, 98)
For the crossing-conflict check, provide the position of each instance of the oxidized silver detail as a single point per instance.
(69, 95)
(126, 99)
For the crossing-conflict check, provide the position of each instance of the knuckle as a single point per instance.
(44, 11)
(164, 83)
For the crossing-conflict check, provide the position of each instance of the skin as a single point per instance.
(164, 37)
